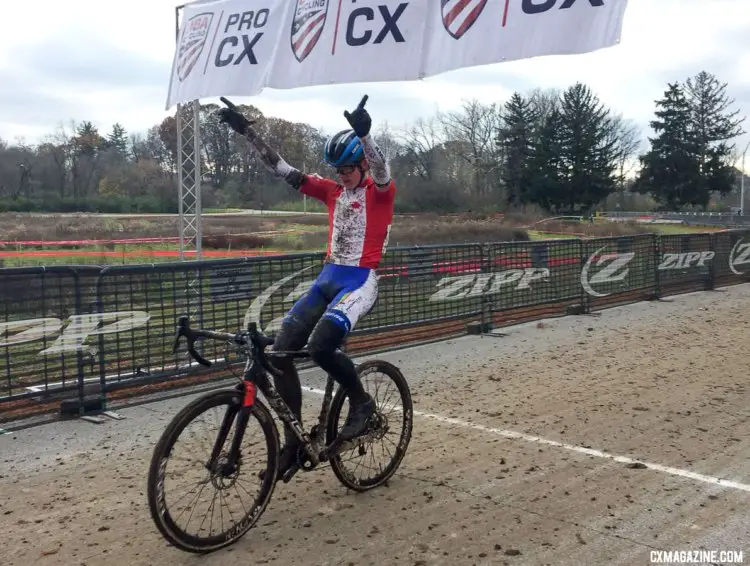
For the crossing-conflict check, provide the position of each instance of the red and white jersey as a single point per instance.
(359, 220)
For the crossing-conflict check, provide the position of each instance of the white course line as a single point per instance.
(580, 449)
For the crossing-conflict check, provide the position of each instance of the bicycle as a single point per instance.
(242, 403)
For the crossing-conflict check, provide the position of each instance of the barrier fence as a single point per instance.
(80, 336)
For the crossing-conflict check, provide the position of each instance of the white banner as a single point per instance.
(238, 47)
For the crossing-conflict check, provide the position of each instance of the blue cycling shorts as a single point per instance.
(342, 293)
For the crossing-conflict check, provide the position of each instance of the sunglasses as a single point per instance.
(346, 170)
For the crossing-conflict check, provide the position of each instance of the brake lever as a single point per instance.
(198, 358)
(183, 329)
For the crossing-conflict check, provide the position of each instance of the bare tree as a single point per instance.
(420, 142)
(473, 131)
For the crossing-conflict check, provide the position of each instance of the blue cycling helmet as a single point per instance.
(343, 148)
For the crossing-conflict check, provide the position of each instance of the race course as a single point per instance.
(574, 441)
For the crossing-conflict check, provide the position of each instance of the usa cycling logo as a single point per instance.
(460, 15)
(307, 26)
(194, 35)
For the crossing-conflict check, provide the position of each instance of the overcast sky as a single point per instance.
(110, 62)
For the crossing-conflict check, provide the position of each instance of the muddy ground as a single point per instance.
(663, 383)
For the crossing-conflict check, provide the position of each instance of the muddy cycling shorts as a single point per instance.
(341, 293)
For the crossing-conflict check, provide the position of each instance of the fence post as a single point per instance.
(102, 364)
(79, 350)
(485, 318)
(657, 250)
(711, 283)
(582, 259)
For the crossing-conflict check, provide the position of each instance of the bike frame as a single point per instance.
(255, 376)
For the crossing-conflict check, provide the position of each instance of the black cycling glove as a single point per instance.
(234, 119)
(359, 120)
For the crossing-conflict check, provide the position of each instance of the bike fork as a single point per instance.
(242, 414)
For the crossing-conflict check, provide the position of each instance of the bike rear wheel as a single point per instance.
(220, 476)
(392, 427)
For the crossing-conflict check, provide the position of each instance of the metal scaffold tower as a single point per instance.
(188, 170)
(189, 179)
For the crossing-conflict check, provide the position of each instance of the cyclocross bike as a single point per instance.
(219, 466)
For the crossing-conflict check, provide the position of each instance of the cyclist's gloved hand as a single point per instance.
(234, 119)
(359, 120)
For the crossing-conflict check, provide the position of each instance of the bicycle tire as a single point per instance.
(159, 512)
(407, 420)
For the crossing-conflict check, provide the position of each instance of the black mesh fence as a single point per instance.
(219, 295)
(732, 260)
(65, 328)
(43, 330)
(685, 263)
(525, 274)
(617, 270)
(425, 284)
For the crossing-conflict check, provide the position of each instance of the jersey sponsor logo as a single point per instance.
(307, 26)
(192, 42)
(460, 15)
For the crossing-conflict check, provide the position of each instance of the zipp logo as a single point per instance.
(685, 260)
(739, 257)
(73, 336)
(477, 285)
(609, 268)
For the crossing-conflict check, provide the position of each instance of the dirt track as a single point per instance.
(663, 383)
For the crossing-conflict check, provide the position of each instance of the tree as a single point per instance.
(587, 146)
(546, 164)
(714, 125)
(118, 140)
(628, 141)
(670, 170)
(516, 136)
(473, 131)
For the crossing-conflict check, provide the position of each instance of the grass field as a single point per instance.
(91, 239)
(443, 282)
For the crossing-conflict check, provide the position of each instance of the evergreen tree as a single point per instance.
(714, 125)
(546, 166)
(670, 169)
(589, 150)
(118, 139)
(516, 136)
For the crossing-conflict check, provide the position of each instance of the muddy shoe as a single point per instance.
(356, 421)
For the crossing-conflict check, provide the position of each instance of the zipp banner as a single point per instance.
(239, 47)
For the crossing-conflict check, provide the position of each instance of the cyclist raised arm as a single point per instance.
(360, 209)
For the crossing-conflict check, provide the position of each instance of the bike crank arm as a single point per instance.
(337, 448)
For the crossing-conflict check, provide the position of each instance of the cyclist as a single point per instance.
(360, 211)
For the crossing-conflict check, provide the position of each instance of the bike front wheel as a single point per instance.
(228, 491)
(390, 429)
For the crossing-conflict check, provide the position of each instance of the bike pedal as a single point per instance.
(289, 474)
